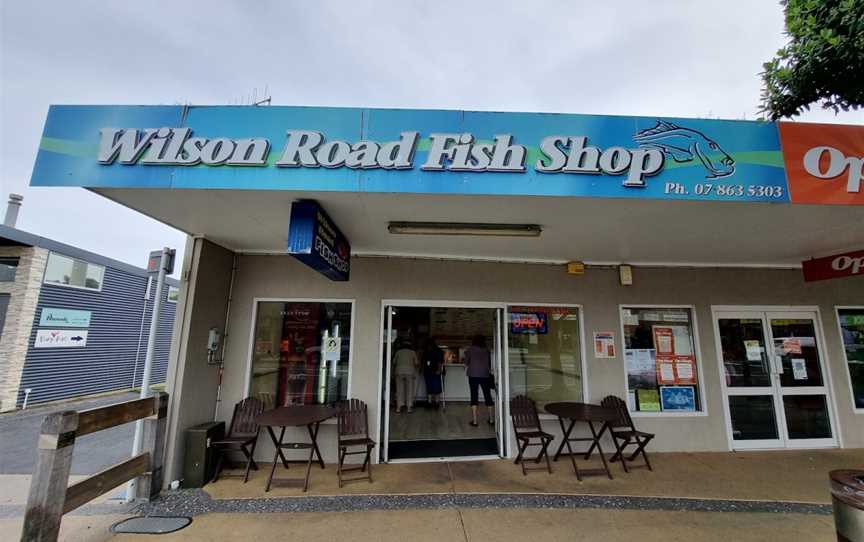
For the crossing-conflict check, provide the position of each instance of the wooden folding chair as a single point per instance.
(628, 436)
(353, 432)
(527, 430)
(242, 435)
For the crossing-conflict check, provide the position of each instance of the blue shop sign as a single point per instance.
(410, 151)
(314, 239)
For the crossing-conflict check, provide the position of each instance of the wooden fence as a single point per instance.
(51, 496)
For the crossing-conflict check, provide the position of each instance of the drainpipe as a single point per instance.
(225, 339)
(12, 209)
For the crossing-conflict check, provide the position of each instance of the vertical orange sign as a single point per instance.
(824, 162)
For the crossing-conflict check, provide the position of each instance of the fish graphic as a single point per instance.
(686, 145)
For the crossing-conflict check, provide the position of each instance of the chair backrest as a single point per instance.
(351, 418)
(523, 412)
(243, 421)
(618, 404)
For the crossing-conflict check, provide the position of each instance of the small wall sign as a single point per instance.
(604, 344)
(60, 338)
(51, 317)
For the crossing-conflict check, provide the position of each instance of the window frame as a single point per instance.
(837, 309)
(251, 350)
(697, 350)
(17, 261)
(74, 286)
(580, 310)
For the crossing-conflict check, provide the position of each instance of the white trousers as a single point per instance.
(406, 389)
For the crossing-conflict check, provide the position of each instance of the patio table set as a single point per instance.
(249, 417)
(353, 435)
(610, 416)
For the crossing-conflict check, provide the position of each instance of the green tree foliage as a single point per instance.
(823, 61)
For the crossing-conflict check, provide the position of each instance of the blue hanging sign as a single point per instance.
(314, 239)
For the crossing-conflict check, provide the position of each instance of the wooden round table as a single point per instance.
(583, 413)
(309, 416)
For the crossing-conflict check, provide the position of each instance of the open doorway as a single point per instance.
(427, 410)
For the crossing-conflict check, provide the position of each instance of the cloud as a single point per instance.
(673, 58)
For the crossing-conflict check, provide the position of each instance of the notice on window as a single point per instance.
(641, 367)
(681, 340)
(792, 346)
(754, 351)
(332, 347)
(799, 369)
(604, 344)
(665, 370)
(648, 400)
(664, 342)
(685, 370)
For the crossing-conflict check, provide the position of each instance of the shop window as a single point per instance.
(300, 352)
(8, 266)
(660, 359)
(852, 330)
(545, 353)
(66, 271)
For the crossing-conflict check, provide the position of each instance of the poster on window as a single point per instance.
(678, 398)
(685, 370)
(664, 341)
(641, 366)
(665, 369)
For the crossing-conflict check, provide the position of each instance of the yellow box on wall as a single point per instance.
(575, 268)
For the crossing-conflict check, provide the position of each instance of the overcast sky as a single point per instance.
(675, 58)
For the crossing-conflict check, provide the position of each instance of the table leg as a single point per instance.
(596, 437)
(566, 432)
(313, 435)
(277, 443)
(566, 441)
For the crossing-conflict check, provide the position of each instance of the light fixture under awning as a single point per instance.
(465, 228)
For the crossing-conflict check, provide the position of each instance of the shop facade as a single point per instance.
(685, 295)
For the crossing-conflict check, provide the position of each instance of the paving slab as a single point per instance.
(645, 526)
(72, 528)
(393, 479)
(759, 476)
(385, 526)
(481, 525)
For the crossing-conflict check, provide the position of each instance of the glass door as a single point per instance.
(773, 380)
(751, 402)
(800, 376)
(430, 352)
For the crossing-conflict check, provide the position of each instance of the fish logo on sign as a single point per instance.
(685, 145)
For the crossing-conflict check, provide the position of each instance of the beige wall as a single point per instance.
(23, 298)
(598, 291)
(192, 383)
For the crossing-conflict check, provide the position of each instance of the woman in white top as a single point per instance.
(405, 367)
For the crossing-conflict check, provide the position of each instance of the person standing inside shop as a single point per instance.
(433, 362)
(478, 367)
(405, 366)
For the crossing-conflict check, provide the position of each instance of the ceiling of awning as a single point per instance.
(592, 230)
